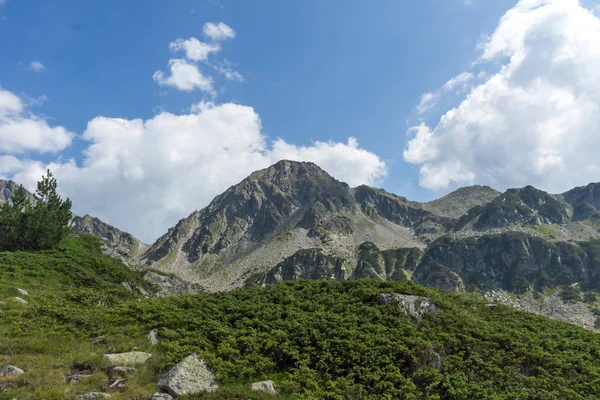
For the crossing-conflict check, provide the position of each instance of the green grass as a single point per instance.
(314, 339)
(546, 230)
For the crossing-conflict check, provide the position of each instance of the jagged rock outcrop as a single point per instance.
(189, 376)
(585, 201)
(527, 205)
(305, 264)
(415, 306)
(510, 261)
(123, 243)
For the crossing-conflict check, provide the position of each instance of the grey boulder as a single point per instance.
(128, 359)
(189, 376)
(264, 386)
(11, 370)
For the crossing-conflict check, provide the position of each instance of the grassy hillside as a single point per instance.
(315, 339)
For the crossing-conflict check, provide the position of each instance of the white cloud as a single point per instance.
(427, 102)
(144, 175)
(454, 85)
(536, 120)
(185, 73)
(218, 31)
(36, 66)
(21, 131)
(458, 81)
(225, 69)
(184, 76)
(195, 50)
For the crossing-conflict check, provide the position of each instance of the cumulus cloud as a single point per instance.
(195, 50)
(534, 117)
(22, 131)
(184, 76)
(36, 66)
(218, 31)
(144, 175)
(185, 73)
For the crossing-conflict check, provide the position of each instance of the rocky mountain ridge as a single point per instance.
(293, 221)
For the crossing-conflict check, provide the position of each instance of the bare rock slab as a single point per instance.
(128, 359)
(264, 386)
(189, 376)
(11, 370)
(415, 306)
(161, 396)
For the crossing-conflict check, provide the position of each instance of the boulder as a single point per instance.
(161, 396)
(10, 370)
(491, 306)
(20, 300)
(415, 306)
(153, 337)
(189, 376)
(94, 395)
(264, 386)
(23, 292)
(128, 359)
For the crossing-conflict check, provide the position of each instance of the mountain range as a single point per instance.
(294, 221)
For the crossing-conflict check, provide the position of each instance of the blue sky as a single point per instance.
(312, 71)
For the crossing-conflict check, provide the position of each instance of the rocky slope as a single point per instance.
(274, 213)
(292, 220)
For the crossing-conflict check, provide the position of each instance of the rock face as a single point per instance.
(264, 386)
(189, 376)
(415, 306)
(10, 370)
(123, 243)
(128, 359)
(527, 205)
(510, 261)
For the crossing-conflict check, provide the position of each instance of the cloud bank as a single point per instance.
(533, 118)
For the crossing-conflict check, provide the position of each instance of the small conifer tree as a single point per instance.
(34, 225)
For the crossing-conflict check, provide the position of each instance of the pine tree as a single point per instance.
(37, 226)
